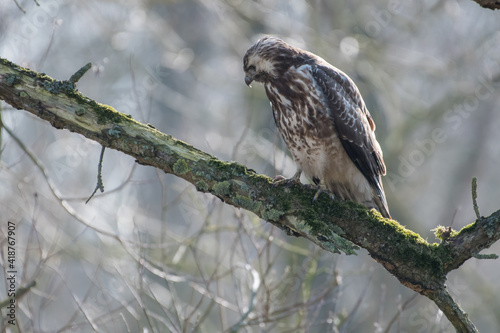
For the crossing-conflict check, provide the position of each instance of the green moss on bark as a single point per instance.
(247, 203)
(202, 185)
(222, 188)
(180, 167)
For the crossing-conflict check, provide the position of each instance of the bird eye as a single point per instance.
(251, 68)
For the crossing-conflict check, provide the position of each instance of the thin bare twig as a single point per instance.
(100, 184)
(474, 197)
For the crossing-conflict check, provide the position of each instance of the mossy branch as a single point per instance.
(333, 225)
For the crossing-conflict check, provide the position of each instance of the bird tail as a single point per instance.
(383, 209)
(381, 202)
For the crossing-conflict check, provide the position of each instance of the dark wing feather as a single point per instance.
(352, 121)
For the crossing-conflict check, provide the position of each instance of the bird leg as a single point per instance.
(321, 189)
(280, 180)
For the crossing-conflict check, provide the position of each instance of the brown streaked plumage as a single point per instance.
(323, 120)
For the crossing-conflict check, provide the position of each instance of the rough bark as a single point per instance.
(333, 225)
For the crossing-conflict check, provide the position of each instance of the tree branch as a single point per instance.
(333, 225)
(490, 4)
(452, 310)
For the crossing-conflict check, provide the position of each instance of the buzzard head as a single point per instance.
(268, 59)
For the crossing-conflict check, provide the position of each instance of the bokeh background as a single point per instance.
(151, 254)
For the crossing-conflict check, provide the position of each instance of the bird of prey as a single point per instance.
(323, 120)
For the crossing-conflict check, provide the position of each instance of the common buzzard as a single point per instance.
(323, 120)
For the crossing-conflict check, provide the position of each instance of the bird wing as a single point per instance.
(354, 125)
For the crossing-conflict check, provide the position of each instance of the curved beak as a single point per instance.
(248, 80)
